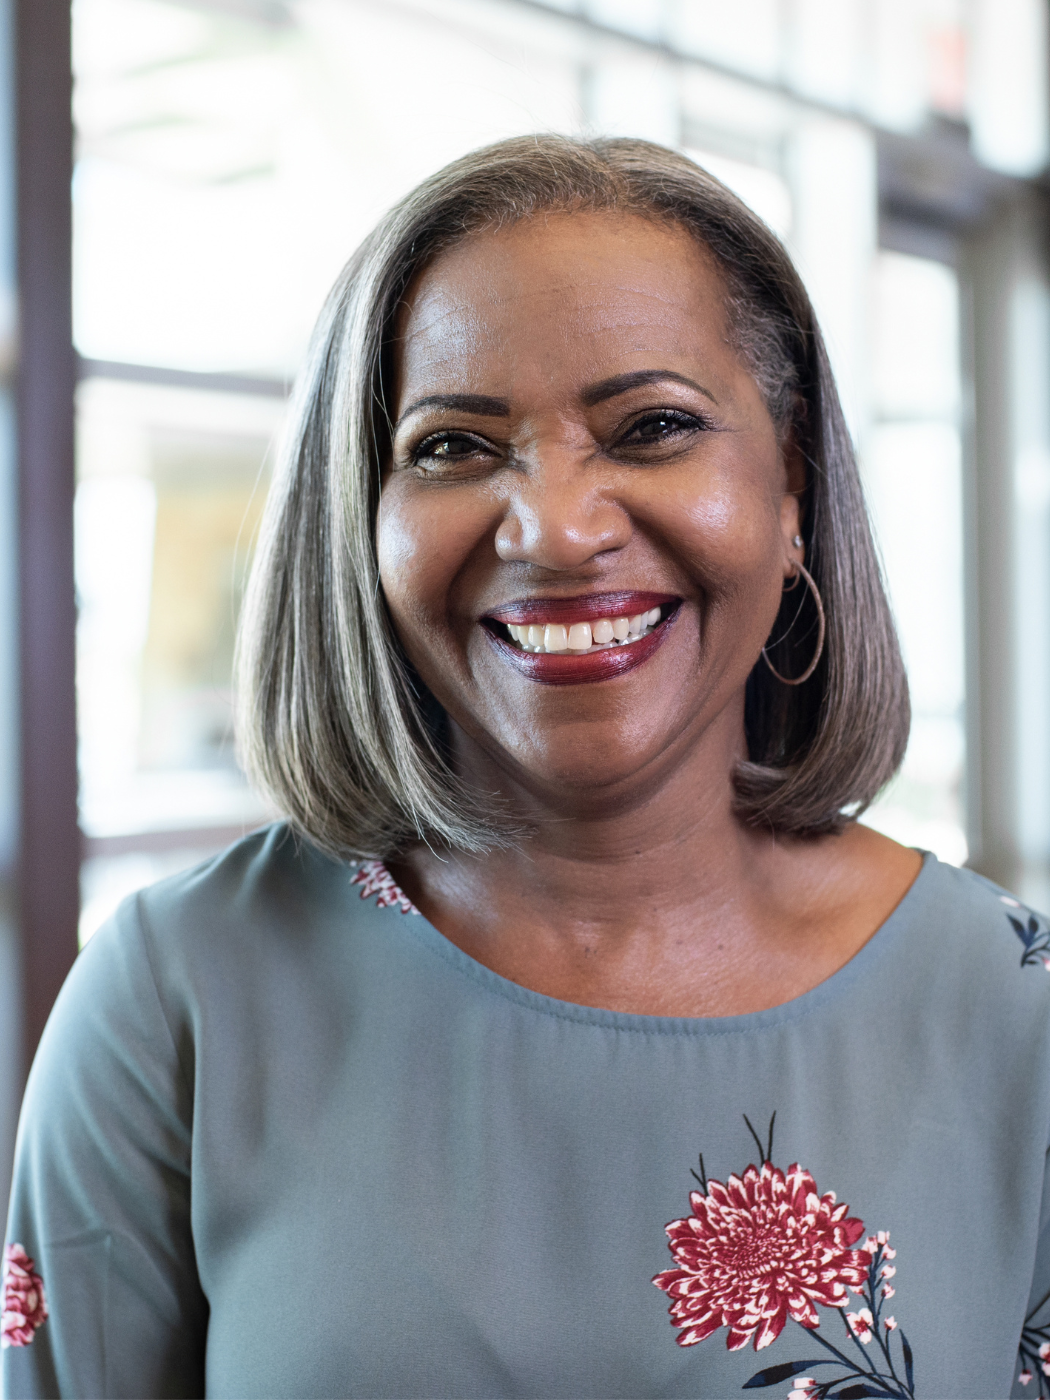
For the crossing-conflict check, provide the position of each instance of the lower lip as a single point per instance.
(559, 668)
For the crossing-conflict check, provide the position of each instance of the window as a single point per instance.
(913, 471)
(230, 156)
(171, 482)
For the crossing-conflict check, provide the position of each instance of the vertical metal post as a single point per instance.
(10, 960)
(49, 839)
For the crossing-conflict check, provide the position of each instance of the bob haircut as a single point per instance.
(333, 723)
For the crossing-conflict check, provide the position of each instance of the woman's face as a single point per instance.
(576, 443)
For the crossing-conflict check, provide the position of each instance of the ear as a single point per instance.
(791, 501)
(790, 527)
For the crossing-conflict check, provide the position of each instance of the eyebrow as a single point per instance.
(620, 383)
(485, 406)
(480, 404)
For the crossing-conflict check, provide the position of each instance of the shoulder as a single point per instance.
(268, 896)
(979, 950)
(212, 957)
(994, 916)
(269, 891)
(967, 906)
(946, 910)
(254, 882)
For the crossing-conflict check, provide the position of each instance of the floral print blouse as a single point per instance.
(283, 1139)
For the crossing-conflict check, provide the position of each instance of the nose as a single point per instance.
(560, 515)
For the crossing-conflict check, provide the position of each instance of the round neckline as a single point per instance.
(419, 928)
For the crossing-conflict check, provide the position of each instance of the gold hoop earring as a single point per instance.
(801, 569)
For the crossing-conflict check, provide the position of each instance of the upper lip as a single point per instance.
(585, 608)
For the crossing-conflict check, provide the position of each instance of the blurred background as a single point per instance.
(227, 155)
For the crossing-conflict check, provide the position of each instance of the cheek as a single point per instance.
(733, 536)
(399, 557)
(424, 540)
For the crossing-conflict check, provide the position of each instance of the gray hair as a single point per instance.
(333, 723)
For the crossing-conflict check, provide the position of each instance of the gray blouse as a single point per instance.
(283, 1139)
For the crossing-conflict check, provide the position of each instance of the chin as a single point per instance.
(596, 768)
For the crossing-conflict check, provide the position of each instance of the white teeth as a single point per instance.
(583, 636)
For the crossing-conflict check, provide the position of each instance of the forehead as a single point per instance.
(573, 292)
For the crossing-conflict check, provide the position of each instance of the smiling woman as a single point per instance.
(812, 753)
(567, 647)
(668, 481)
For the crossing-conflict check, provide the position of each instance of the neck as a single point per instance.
(647, 894)
(602, 859)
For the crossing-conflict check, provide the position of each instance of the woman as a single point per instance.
(567, 610)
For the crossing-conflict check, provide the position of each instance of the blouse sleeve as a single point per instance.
(101, 1292)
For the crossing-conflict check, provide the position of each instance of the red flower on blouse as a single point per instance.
(757, 1250)
(375, 879)
(25, 1307)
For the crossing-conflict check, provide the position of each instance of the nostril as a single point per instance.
(558, 532)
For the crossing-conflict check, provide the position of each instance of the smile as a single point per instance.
(583, 636)
(569, 641)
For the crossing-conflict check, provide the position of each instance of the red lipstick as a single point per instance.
(568, 668)
(587, 608)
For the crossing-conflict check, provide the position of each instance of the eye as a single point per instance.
(445, 450)
(657, 435)
(662, 426)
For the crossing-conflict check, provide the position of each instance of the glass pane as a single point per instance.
(227, 167)
(229, 159)
(913, 470)
(171, 484)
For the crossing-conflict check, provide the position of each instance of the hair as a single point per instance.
(334, 725)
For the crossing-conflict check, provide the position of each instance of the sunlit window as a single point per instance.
(171, 484)
(913, 471)
(230, 156)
